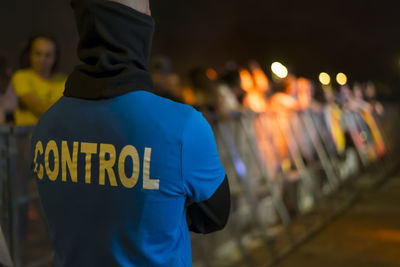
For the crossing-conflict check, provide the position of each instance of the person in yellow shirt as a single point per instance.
(38, 85)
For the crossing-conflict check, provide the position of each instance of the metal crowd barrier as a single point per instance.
(264, 194)
(21, 217)
(269, 188)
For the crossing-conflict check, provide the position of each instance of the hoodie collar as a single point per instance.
(114, 47)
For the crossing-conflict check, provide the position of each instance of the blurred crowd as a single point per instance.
(286, 109)
(349, 115)
(297, 124)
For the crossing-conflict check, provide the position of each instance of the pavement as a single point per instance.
(367, 234)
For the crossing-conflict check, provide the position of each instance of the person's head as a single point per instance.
(329, 94)
(345, 93)
(370, 91)
(142, 6)
(41, 54)
(304, 91)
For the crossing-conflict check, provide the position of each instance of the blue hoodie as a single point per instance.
(115, 168)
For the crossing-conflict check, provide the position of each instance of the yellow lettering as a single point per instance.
(148, 183)
(129, 182)
(52, 147)
(88, 149)
(72, 163)
(107, 165)
(38, 167)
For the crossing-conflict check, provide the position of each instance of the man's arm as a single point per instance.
(210, 215)
(204, 177)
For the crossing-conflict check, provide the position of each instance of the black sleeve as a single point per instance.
(210, 215)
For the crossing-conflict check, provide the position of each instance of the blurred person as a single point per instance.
(334, 121)
(282, 105)
(8, 99)
(319, 113)
(357, 132)
(285, 94)
(370, 97)
(358, 97)
(205, 93)
(255, 100)
(303, 95)
(260, 78)
(317, 98)
(228, 103)
(367, 110)
(231, 78)
(123, 174)
(38, 84)
(305, 92)
(293, 96)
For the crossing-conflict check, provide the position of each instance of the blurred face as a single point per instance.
(329, 95)
(346, 92)
(358, 92)
(370, 91)
(43, 56)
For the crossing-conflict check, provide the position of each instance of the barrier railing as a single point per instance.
(21, 217)
(279, 168)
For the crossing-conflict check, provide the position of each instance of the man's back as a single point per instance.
(114, 176)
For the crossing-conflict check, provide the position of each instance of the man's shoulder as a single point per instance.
(136, 104)
(160, 106)
(160, 100)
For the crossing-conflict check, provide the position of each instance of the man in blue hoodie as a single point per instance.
(121, 171)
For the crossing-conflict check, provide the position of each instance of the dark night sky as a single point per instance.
(359, 37)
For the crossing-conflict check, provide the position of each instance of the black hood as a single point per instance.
(115, 43)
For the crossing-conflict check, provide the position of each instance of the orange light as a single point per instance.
(212, 74)
(260, 79)
(304, 93)
(246, 80)
(255, 101)
(283, 102)
(188, 96)
(388, 235)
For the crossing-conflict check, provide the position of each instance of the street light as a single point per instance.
(324, 78)
(279, 70)
(341, 78)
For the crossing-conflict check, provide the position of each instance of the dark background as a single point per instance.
(358, 37)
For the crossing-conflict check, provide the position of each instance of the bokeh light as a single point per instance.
(324, 78)
(212, 74)
(279, 70)
(341, 78)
